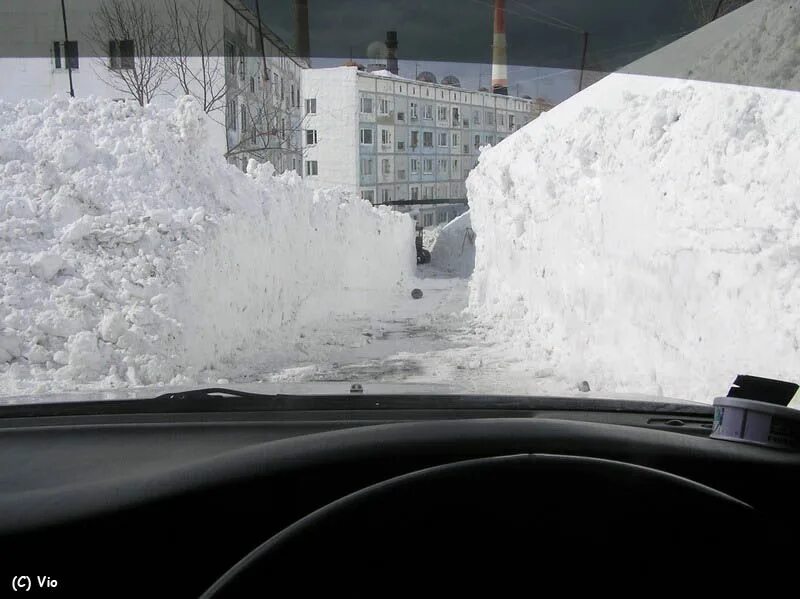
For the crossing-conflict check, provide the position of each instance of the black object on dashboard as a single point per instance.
(778, 393)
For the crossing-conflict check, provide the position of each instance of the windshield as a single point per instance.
(520, 196)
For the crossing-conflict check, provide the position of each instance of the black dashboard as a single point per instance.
(148, 498)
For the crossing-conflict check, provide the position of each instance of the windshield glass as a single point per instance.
(492, 196)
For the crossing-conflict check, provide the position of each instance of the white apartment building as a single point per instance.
(259, 116)
(388, 139)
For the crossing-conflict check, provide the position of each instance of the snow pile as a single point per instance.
(132, 254)
(646, 240)
(454, 250)
(757, 45)
(430, 234)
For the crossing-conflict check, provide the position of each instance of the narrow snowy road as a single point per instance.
(388, 343)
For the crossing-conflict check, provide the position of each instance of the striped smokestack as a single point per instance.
(500, 50)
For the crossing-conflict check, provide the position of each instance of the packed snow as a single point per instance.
(644, 236)
(454, 250)
(132, 254)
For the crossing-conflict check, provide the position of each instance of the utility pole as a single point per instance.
(67, 57)
(583, 59)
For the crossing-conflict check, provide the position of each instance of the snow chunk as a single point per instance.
(454, 250)
(46, 266)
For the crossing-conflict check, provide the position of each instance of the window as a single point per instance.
(292, 96)
(312, 168)
(427, 220)
(428, 112)
(65, 55)
(243, 122)
(490, 139)
(230, 114)
(455, 140)
(414, 139)
(401, 175)
(455, 165)
(476, 117)
(414, 194)
(443, 165)
(230, 58)
(368, 195)
(383, 106)
(510, 121)
(442, 113)
(311, 137)
(366, 106)
(427, 193)
(120, 54)
(241, 65)
(252, 85)
(456, 116)
(501, 119)
(427, 139)
(477, 141)
(413, 110)
(366, 137)
(386, 137)
(401, 145)
(366, 166)
(443, 140)
(385, 196)
(385, 166)
(414, 165)
(490, 118)
(311, 106)
(466, 149)
(401, 116)
(427, 165)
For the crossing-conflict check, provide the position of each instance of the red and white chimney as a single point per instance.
(500, 50)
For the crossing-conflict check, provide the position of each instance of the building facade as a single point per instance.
(389, 139)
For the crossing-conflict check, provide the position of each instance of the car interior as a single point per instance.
(218, 493)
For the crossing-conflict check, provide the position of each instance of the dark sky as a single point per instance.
(461, 30)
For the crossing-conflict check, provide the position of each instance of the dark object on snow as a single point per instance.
(584, 387)
(356, 388)
(423, 255)
(416, 294)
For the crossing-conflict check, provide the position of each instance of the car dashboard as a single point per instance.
(135, 498)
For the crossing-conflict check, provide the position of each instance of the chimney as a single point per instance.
(500, 50)
(301, 35)
(391, 52)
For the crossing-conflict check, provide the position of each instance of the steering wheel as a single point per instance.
(578, 520)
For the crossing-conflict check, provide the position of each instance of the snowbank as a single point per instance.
(644, 236)
(132, 254)
(454, 250)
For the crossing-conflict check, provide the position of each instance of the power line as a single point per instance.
(532, 18)
(555, 19)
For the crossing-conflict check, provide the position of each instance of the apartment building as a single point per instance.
(390, 139)
(263, 115)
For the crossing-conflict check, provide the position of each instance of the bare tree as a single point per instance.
(136, 40)
(265, 129)
(195, 53)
